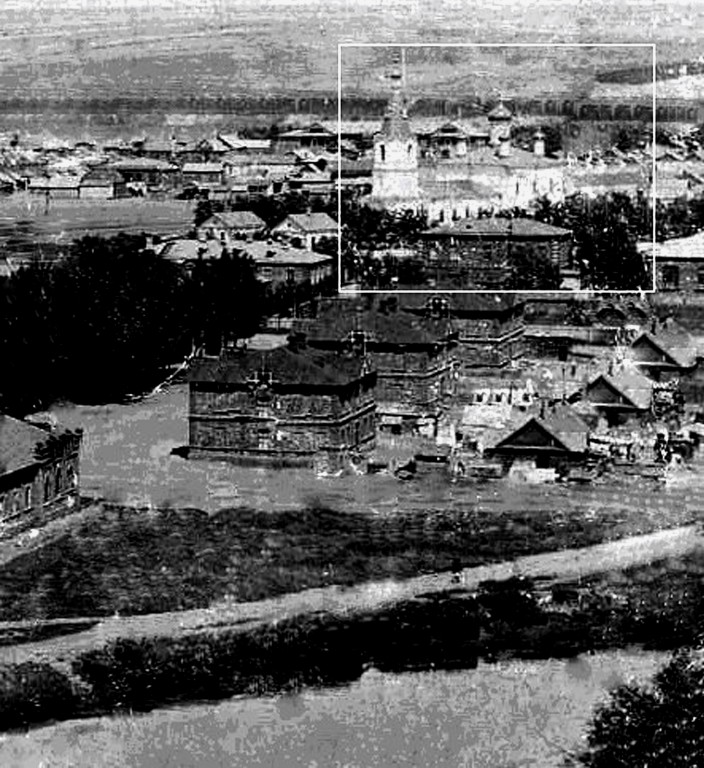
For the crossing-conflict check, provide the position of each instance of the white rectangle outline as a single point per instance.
(340, 46)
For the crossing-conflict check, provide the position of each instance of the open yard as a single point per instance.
(25, 222)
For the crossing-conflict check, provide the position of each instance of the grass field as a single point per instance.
(25, 222)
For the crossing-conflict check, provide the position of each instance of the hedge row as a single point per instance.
(314, 650)
(33, 693)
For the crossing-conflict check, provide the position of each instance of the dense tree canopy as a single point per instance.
(657, 725)
(106, 321)
(606, 230)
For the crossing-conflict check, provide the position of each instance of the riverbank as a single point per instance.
(328, 637)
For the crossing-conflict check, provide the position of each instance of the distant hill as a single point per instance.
(164, 48)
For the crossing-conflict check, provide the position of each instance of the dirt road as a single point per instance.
(566, 564)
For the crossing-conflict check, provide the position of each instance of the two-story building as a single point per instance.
(39, 470)
(477, 253)
(414, 359)
(290, 406)
(489, 326)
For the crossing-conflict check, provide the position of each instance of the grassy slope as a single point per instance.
(134, 562)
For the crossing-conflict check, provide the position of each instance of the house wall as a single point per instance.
(98, 192)
(417, 380)
(675, 275)
(290, 428)
(38, 493)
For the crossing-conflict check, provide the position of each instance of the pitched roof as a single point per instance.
(679, 249)
(635, 387)
(560, 422)
(202, 168)
(142, 164)
(101, 177)
(235, 220)
(309, 222)
(497, 228)
(672, 341)
(459, 303)
(500, 112)
(272, 254)
(303, 367)
(339, 317)
(187, 249)
(18, 442)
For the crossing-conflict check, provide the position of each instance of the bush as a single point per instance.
(34, 693)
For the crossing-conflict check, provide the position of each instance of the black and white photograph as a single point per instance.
(352, 407)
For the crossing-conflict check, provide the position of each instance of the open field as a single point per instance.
(26, 223)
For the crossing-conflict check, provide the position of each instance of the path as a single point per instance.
(565, 564)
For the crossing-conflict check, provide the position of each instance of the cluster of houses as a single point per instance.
(286, 253)
(465, 376)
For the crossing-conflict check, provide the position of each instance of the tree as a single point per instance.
(658, 725)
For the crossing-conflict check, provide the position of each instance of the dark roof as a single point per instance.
(672, 340)
(635, 387)
(460, 303)
(18, 442)
(497, 228)
(305, 367)
(341, 316)
(101, 177)
(560, 421)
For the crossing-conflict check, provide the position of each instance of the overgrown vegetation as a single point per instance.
(136, 562)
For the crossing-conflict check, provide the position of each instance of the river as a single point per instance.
(507, 715)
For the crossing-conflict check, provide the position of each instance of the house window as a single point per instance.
(700, 278)
(27, 496)
(47, 486)
(267, 273)
(670, 276)
(2, 505)
(291, 275)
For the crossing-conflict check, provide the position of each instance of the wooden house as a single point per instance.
(309, 228)
(550, 437)
(232, 225)
(102, 184)
(283, 263)
(619, 397)
(290, 406)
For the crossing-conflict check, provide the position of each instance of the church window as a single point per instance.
(410, 150)
(382, 152)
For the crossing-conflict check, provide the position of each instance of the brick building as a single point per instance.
(476, 253)
(489, 327)
(291, 406)
(413, 357)
(39, 468)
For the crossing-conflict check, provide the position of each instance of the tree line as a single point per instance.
(108, 320)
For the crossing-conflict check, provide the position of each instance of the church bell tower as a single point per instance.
(395, 167)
